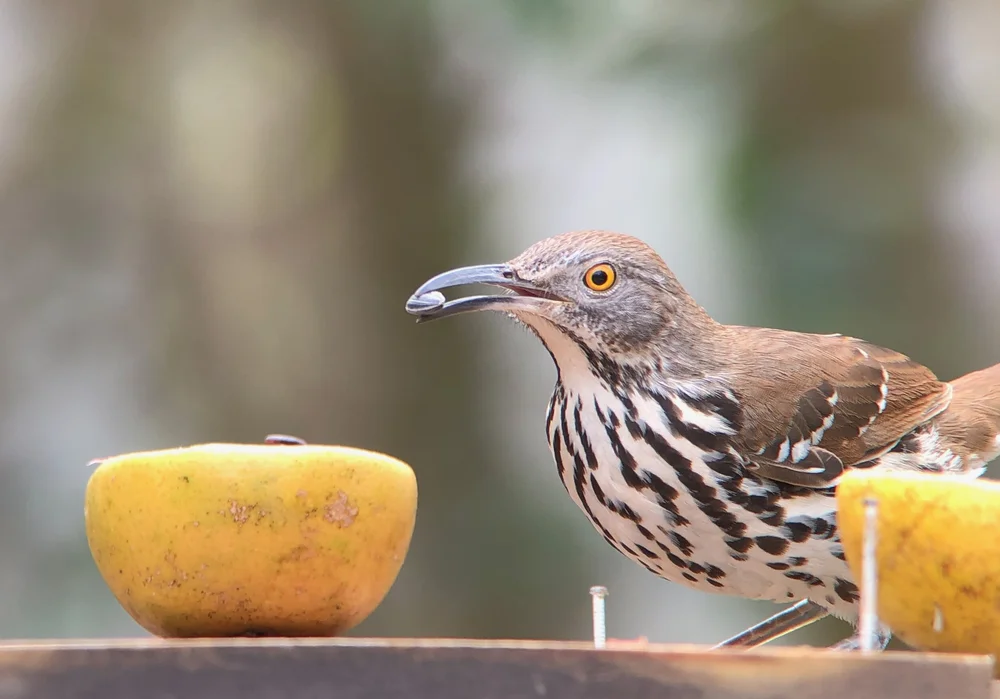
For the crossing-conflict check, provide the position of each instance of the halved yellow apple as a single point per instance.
(234, 539)
(937, 555)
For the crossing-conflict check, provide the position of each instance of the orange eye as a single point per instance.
(600, 277)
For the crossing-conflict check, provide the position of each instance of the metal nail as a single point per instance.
(597, 595)
(938, 619)
(284, 439)
(868, 616)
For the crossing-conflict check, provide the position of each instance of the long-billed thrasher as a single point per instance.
(709, 453)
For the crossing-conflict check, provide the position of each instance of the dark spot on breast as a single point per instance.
(580, 486)
(688, 576)
(798, 531)
(681, 543)
(724, 519)
(725, 464)
(823, 528)
(626, 462)
(651, 567)
(578, 468)
(665, 496)
(741, 545)
(777, 565)
(756, 504)
(588, 451)
(805, 577)
(714, 571)
(774, 545)
(631, 424)
(598, 491)
(557, 454)
(646, 552)
(703, 493)
(846, 590)
(672, 557)
(700, 438)
(734, 494)
(718, 403)
(557, 397)
(624, 510)
(646, 534)
(676, 560)
(580, 482)
(775, 517)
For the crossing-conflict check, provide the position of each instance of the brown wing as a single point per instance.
(970, 427)
(818, 404)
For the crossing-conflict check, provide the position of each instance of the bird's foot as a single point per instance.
(882, 638)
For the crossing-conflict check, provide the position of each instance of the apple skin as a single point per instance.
(236, 539)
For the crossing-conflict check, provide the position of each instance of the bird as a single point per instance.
(709, 453)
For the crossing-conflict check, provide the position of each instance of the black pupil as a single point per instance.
(599, 278)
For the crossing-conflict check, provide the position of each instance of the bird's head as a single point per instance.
(607, 290)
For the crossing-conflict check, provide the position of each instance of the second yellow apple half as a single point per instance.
(235, 539)
(937, 556)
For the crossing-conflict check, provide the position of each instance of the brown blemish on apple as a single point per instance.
(341, 512)
(240, 513)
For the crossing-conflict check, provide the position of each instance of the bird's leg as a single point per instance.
(795, 617)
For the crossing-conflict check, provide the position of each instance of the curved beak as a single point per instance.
(428, 303)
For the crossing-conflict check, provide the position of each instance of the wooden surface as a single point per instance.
(442, 669)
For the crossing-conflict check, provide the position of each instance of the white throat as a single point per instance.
(569, 358)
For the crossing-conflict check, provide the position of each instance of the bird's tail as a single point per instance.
(971, 424)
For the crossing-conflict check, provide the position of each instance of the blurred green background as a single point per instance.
(211, 215)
